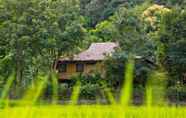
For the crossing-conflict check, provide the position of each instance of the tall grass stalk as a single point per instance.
(75, 93)
(110, 96)
(34, 92)
(54, 89)
(156, 88)
(126, 92)
(6, 90)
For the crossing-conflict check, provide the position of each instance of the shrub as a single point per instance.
(176, 93)
(64, 91)
(115, 68)
(90, 85)
(90, 91)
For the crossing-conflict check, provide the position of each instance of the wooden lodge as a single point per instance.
(85, 62)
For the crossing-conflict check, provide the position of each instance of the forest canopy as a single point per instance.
(35, 33)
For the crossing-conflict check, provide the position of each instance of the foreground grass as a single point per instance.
(154, 107)
(94, 111)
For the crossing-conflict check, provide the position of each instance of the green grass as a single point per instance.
(154, 106)
(95, 111)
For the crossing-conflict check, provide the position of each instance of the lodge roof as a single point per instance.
(96, 52)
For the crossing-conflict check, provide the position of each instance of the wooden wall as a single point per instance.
(88, 69)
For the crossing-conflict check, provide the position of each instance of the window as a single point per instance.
(62, 68)
(79, 67)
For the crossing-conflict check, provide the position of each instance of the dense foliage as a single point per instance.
(35, 33)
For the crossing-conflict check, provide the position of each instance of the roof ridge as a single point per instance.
(103, 42)
(96, 51)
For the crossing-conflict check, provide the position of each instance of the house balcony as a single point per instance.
(65, 76)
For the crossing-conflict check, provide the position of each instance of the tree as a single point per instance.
(97, 11)
(35, 33)
(171, 3)
(105, 31)
(132, 37)
(133, 40)
(172, 35)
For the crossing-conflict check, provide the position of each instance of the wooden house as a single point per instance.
(85, 62)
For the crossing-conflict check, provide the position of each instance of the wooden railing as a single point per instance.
(65, 75)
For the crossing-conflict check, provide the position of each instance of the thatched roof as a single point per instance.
(96, 52)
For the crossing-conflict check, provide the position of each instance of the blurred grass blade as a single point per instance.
(6, 89)
(32, 95)
(75, 93)
(108, 93)
(35, 91)
(156, 88)
(110, 96)
(126, 92)
(54, 88)
(148, 96)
